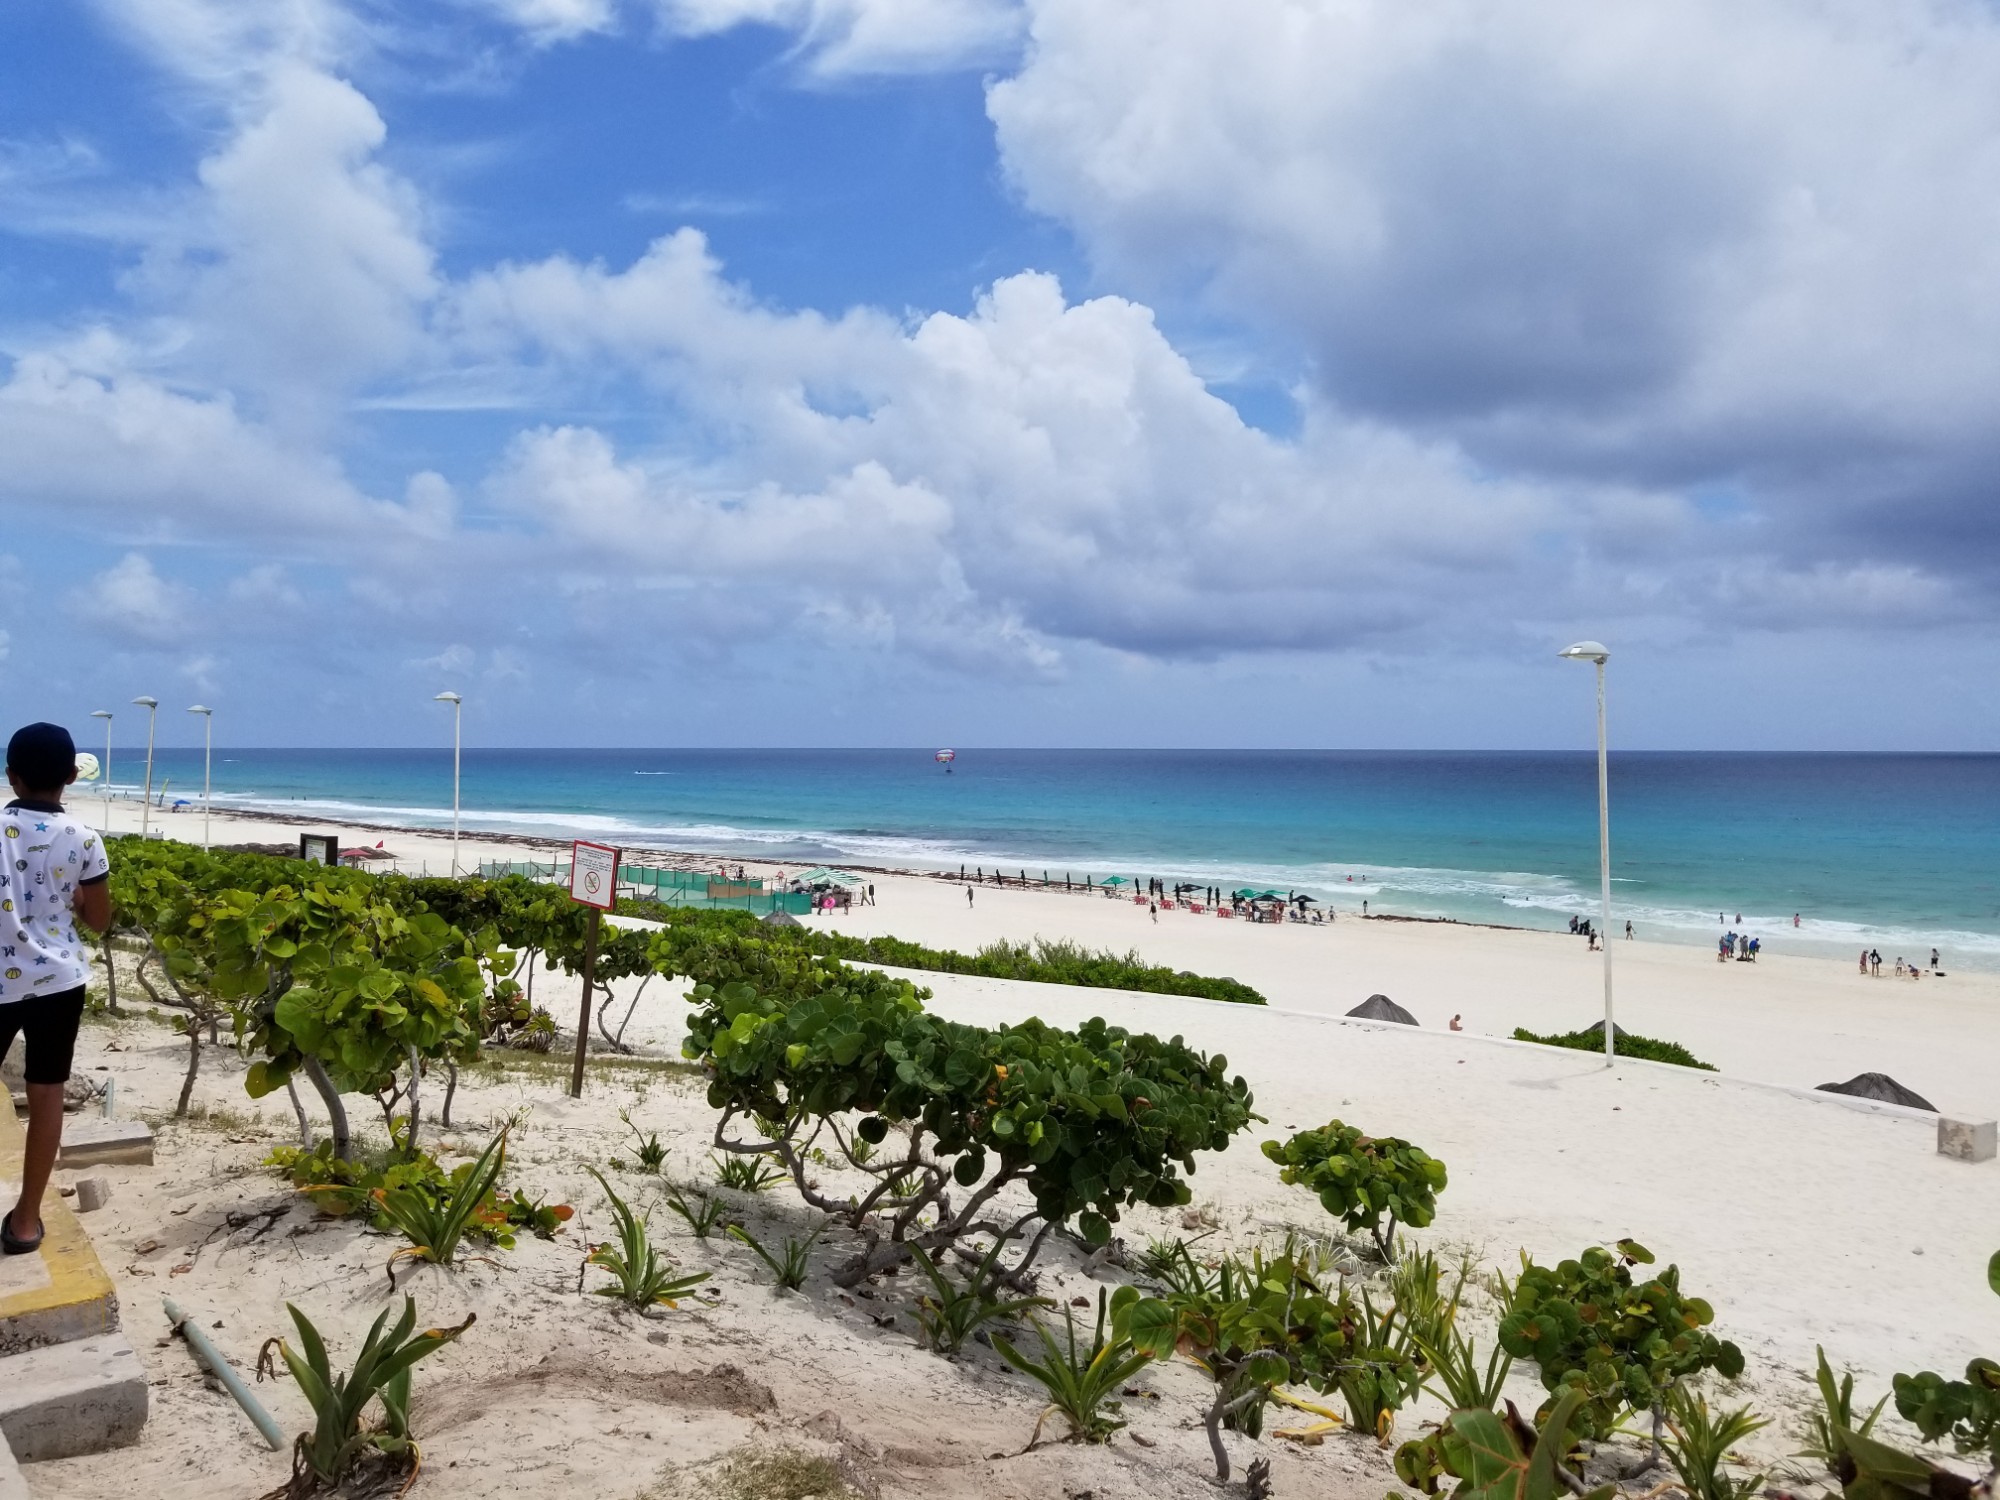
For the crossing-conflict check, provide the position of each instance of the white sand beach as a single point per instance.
(1805, 1221)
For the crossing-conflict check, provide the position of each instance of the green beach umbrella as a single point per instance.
(1113, 880)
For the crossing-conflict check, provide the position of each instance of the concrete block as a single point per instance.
(92, 1141)
(66, 1399)
(1967, 1140)
(92, 1193)
(12, 1485)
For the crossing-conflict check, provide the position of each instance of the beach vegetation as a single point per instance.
(1087, 1122)
(1698, 1442)
(702, 1214)
(778, 1474)
(436, 1221)
(791, 1263)
(1043, 960)
(649, 1152)
(1591, 1326)
(640, 1276)
(1644, 1048)
(1261, 1323)
(1380, 1374)
(1371, 1183)
(1835, 1415)
(341, 1442)
(1082, 1380)
(745, 1174)
(357, 1185)
(1494, 1455)
(951, 1312)
(1965, 1413)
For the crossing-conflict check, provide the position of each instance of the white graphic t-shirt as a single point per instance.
(45, 855)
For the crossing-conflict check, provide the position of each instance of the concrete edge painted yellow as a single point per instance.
(79, 1299)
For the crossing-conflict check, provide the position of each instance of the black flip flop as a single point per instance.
(13, 1244)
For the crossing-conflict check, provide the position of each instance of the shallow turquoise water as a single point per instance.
(1898, 851)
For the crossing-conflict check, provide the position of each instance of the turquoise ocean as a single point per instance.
(1894, 851)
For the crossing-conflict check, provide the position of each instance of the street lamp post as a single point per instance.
(152, 707)
(207, 760)
(1591, 651)
(457, 714)
(105, 715)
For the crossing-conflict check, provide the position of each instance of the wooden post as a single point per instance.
(583, 1012)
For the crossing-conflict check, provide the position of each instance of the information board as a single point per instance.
(593, 874)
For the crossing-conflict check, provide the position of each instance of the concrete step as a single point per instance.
(65, 1399)
(93, 1141)
(12, 1485)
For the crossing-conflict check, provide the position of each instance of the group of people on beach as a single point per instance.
(1871, 965)
(1739, 946)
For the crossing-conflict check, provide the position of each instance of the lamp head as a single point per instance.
(100, 713)
(198, 709)
(1586, 651)
(447, 698)
(147, 702)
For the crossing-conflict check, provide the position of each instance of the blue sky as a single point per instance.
(1071, 372)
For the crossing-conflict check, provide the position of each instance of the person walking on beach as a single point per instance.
(1934, 960)
(968, 898)
(1864, 960)
(1875, 962)
(56, 874)
(1628, 932)
(1154, 908)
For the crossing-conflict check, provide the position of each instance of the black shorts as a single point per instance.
(49, 1022)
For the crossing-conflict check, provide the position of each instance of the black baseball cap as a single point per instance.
(42, 755)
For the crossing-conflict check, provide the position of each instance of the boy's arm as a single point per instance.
(92, 905)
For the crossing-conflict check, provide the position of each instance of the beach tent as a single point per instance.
(1114, 880)
(1382, 1008)
(828, 877)
(1881, 1088)
(1596, 1029)
(780, 918)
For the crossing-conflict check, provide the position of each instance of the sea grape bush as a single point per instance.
(1967, 1412)
(1645, 1048)
(1589, 1326)
(1049, 962)
(1258, 1323)
(330, 978)
(1962, 1411)
(1086, 1122)
(1492, 1456)
(1363, 1180)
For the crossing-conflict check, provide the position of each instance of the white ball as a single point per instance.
(86, 766)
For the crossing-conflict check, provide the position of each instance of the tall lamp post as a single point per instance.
(1591, 651)
(152, 707)
(457, 715)
(207, 760)
(105, 715)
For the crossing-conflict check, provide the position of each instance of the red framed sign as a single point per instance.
(593, 874)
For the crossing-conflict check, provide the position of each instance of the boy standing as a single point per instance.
(53, 872)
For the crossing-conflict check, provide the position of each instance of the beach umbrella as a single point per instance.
(1382, 1008)
(1881, 1088)
(1113, 880)
(1245, 894)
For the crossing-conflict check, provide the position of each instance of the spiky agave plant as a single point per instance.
(640, 1277)
(339, 1441)
(436, 1222)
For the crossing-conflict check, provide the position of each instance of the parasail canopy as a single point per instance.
(946, 757)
